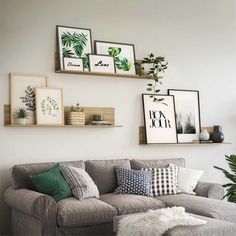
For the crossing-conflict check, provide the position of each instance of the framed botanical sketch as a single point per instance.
(187, 114)
(159, 119)
(74, 42)
(101, 63)
(73, 63)
(49, 106)
(124, 55)
(22, 93)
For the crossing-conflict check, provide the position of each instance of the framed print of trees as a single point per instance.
(22, 93)
(74, 42)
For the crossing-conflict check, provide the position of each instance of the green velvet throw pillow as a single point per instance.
(52, 183)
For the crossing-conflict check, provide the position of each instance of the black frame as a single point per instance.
(73, 58)
(185, 90)
(126, 44)
(58, 41)
(165, 95)
(91, 54)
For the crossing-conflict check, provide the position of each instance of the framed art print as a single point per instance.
(73, 63)
(49, 106)
(187, 114)
(124, 55)
(74, 42)
(22, 94)
(101, 63)
(159, 119)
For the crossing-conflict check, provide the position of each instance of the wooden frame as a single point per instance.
(96, 42)
(13, 76)
(38, 121)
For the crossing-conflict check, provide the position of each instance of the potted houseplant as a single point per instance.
(21, 115)
(76, 115)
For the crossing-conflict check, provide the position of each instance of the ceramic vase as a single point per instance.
(204, 135)
(217, 136)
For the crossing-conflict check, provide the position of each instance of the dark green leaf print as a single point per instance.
(29, 98)
(113, 51)
(122, 63)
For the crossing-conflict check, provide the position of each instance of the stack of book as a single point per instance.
(76, 118)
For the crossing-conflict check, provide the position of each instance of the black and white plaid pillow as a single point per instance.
(164, 181)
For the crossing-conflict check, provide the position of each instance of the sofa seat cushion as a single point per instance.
(213, 208)
(72, 212)
(129, 203)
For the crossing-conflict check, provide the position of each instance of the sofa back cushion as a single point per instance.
(103, 173)
(161, 163)
(21, 173)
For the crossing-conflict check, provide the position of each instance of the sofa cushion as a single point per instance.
(129, 203)
(21, 173)
(156, 163)
(103, 173)
(72, 212)
(213, 208)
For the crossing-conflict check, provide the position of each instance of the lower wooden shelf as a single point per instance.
(63, 126)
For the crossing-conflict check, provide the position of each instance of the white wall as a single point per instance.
(198, 38)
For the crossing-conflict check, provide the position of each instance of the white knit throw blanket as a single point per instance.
(156, 222)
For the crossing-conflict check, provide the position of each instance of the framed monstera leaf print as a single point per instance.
(49, 106)
(74, 43)
(22, 94)
(124, 55)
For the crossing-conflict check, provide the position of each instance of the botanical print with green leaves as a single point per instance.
(29, 98)
(49, 107)
(121, 63)
(74, 45)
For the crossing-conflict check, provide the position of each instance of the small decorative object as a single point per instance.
(101, 63)
(187, 107)
(49, 106)
(72, 63)
(22, 115)
(204, 135)
(123, 54)
(76, 116)
(230, 187)
(159, 118)
(217, 136)
(74, 42)
(22, 94)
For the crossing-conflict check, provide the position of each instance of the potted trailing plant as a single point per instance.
(76, 115)
(230, 187)
(21, 115)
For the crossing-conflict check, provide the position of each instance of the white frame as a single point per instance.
(76, 64)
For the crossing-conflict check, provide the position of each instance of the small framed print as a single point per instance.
(101, 63)
(49, 106)
(73, 63)
(159, 119)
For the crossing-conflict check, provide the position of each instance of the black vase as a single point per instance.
(217, 136)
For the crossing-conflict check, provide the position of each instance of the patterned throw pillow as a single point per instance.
(80, 182)
(164, 181)
(133, 181)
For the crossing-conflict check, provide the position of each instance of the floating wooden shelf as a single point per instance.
(64, 126)
(142, 140)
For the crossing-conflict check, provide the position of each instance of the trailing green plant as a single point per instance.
(22, 113)
(230, 187)
(76, 108)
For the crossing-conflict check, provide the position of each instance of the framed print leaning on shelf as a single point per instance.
(123, 53)
(101, 63)
(49, 106)
(22, 93)
(74, 42)
(187, 114)
(73, 63)
(159, 119)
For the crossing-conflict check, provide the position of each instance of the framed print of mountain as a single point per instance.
(124, 55)
(49, 106)
(159, 119)
(74, 42)
(187, 114)
(22, 94)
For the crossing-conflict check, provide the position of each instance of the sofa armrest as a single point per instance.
(38, 205)
(209, 190)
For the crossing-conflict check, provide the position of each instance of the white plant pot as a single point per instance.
(21, 121)
(145, 68)
(204, 135)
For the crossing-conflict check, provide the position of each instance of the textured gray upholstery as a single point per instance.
(103, 173)
(157, 163)
(129, 203)
(20, 173)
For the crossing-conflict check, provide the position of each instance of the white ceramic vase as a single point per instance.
(145, 68)
(21, 121)
(204, 135)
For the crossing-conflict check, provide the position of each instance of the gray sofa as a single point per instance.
(35, 213)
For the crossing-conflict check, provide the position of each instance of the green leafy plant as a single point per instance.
(22, 113)
(230, 187)
(76, 108)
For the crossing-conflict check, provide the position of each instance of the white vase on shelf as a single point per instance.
(204, 135)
